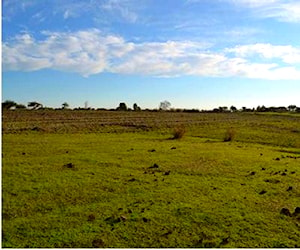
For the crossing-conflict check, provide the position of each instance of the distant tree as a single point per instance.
(165, 105)
(122, 107)
(8, 104)
(261, 109)
(34, 105)
(245, 109)
(225, 109)
(136, 107)
(65, 105)
(233, 109)
(292, 108)
(20, 106)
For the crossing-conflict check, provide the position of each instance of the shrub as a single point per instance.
(178, 132)
(229, 135)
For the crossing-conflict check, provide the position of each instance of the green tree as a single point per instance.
(8, 104)
(223, 109)
(136, 107)
(292, 108)
(34, 105)
(65, 105)
(233, 109)
(20, 106)
(122, 107)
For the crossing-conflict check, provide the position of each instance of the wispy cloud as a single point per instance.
(91, 52)
(282, 10)
(11, 7)
(122, 10)
(254, 3)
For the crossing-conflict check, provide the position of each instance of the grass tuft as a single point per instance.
(178, 132)
(229, 135)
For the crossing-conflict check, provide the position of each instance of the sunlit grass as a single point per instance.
(141, 189)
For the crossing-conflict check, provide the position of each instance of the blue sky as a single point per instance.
(194, 53)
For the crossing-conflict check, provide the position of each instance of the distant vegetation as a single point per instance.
(163, 106)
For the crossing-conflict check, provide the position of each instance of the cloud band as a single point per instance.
(89, 52)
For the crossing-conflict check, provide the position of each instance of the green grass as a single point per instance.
(202, 192)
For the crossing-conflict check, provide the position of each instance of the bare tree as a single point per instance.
(165, 105)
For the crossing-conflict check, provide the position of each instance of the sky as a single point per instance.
(197, 54)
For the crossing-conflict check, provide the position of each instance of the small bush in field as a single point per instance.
(178, 132)
(229, 135)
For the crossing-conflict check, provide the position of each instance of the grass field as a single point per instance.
(82, 179)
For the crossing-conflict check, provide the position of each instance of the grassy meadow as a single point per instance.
(101, 179)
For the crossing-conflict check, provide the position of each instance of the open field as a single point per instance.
(118, 179)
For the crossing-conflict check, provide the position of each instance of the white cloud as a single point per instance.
(91, 52)
(288, 54)
(84, 52)
(288, 12)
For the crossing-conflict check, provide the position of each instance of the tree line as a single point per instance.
(163, 106)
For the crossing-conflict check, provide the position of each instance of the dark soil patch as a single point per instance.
(273, 181)
(98, 243)
(91, 217)
(154, 166)
(297, 211)
(69, 165)
(285, 211)
(262, 192)
(252, 173)
(167, 173)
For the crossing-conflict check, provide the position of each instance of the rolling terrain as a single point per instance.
(80, 179)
